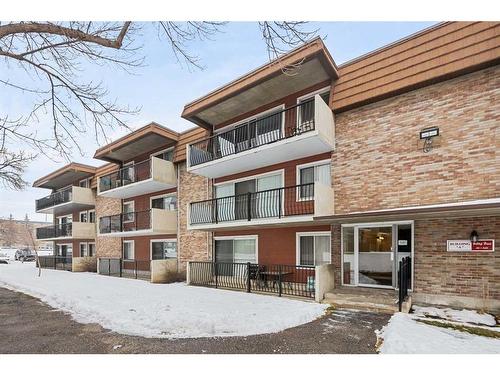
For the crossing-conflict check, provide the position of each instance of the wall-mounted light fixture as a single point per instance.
(474, 236)
(427, 134)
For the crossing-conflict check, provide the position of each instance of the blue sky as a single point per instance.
(162, 87)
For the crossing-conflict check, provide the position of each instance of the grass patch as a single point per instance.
(472, 330)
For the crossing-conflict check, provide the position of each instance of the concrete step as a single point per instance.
(378, 302)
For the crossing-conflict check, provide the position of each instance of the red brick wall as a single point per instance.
(465, 274)
(379, 163)
(276, 245)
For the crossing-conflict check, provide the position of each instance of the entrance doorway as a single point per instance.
(371, 253)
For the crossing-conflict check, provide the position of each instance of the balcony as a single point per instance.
(140, 223)
(275, 207)
(301, 130)
(145, 177)
(73, 198)
(76, 230)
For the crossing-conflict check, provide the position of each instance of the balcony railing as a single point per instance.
(125, 176)
(280, 125)
(54, 231)
(126, 222)
(273, 203)
(62, 196)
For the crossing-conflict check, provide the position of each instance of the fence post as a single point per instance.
(279, 203)
(216, 275)
(120, 264)
(55, 264)
(400, 284)
(279, 281)
(248, 277)
(135, 266)
(109, 267)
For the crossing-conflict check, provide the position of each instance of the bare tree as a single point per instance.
(52, 57)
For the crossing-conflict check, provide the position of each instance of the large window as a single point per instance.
(163, 249)
(91, 249)
(313, 249)
(167, 202)
(91, 216)
(83, 249)
(236, 250)
(308, 174)
(128, 250)
(83, 217)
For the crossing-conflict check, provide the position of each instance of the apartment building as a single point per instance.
(72, 204)
(302, 163)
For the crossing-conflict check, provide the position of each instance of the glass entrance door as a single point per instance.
(371, 253)
(375, 256)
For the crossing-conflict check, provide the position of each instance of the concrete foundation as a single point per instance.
(324, 281)
(482, 304)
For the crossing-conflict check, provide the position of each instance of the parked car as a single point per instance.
(25, 255)
(8, 252)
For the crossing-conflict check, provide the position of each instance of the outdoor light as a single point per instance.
(427, 134)
(474, 236)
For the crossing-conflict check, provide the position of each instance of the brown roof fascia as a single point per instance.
(69, 167)
(305, 52)
(133, 136)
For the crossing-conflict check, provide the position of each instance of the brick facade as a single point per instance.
(452, 273)
(379, 163)
(107, 246)
(191, 245)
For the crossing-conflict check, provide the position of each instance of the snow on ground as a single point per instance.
(140, 308)
(464, 316)
(404, 335)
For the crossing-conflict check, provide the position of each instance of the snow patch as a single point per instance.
(140, 308)
(464, 316)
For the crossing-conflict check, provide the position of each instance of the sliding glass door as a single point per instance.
(234, 250)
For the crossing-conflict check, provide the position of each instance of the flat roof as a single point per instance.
(65, 176)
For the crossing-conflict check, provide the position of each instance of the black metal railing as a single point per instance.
(125, 222)
(59, 197)
(276, 279)
(126, 176)
(404, 280)
(56, 262)
(54, 231)
(273, 203)
(264, 130)
(131, 268)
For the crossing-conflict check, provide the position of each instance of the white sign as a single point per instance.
(466, 245)
(458, 245)
(403, 242)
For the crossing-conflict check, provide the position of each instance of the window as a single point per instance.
(306, 112)
(84, 183)
(165, 155)
(83, 249)
(83, 217)
(64, 250)
(310, 174)
(128, 212)
(91, 216)
(236, 250)
(128, 250)
(163, 249)
(91, 249)
(168, 202)
(313, 249)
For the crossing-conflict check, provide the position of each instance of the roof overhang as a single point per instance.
(477, 208)
(299, 69)
(65, 176)
(149, 137)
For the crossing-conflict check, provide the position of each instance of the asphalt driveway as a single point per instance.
(30, 326)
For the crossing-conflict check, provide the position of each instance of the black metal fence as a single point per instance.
(282, 124)
(135, 269)
(277, 279)
(54, 231)
(404, 279)
(56, 262)
(125, 176)
(278, 203)
(62, 196)
(126, 222)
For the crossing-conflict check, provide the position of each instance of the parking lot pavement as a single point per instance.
(30, 326)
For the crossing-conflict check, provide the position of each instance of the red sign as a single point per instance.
(483, 245)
